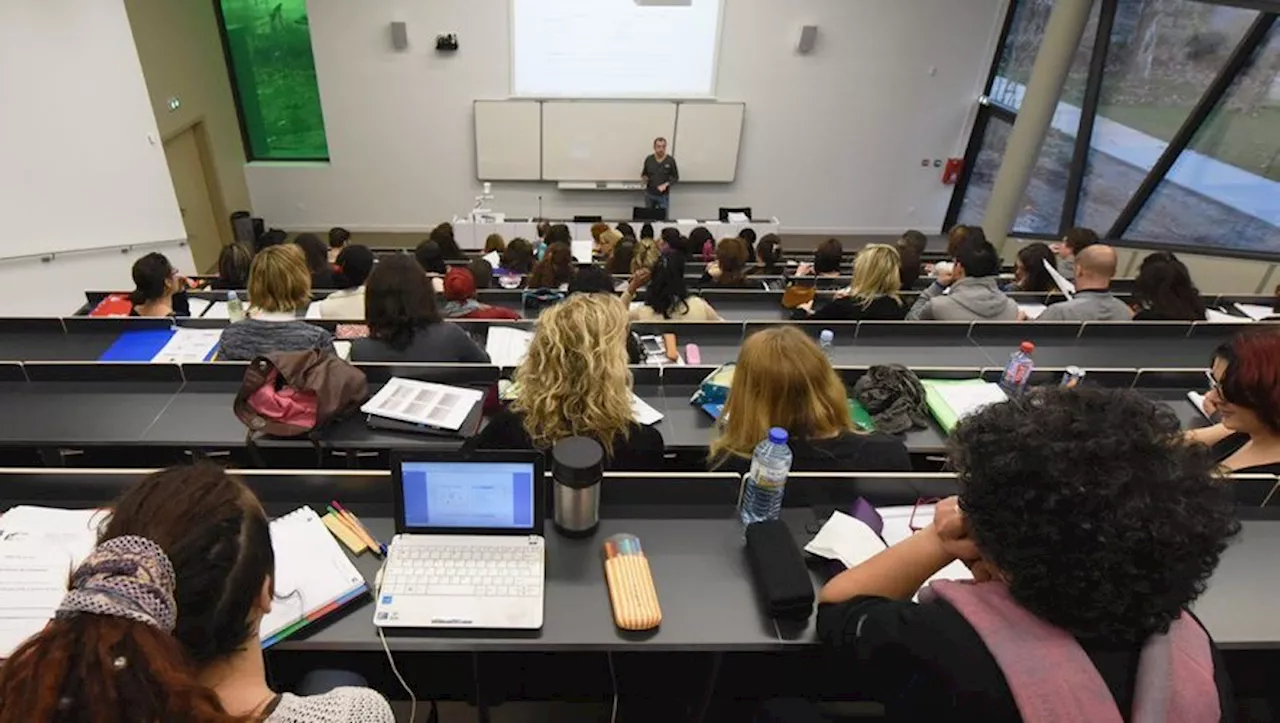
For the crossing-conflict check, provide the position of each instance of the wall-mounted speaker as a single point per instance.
(808, 38)
(399, 36)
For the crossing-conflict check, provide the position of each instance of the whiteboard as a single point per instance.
(601, 141)
(508, 140)
(707, 140)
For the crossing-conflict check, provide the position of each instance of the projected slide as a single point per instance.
(614, 48)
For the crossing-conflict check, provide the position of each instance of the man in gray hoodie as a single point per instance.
(971, 292)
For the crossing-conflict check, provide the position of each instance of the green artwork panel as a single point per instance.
(268, 43)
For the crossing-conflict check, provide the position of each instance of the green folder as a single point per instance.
(948, 411)
(861, 417)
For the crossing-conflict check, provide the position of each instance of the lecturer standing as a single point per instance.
(660, 171)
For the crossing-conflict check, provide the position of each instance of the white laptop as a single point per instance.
(468, 550)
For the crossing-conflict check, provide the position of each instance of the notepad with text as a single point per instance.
(314, 577)
(507, 346)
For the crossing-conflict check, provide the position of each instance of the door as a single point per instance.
(190, 184)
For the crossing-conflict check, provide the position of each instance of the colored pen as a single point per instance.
(373, 541)
(358, 531)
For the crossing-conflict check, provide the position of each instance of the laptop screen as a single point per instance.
(469, 495)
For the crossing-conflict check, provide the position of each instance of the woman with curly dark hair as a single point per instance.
(1244, 389)
(1164, 291)
(1090, 527)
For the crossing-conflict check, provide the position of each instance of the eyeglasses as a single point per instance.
(925, 502)
(1214, 384)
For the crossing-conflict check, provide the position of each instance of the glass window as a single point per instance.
(983, 176)
(268, 46)
(1224, 190)
(1019, 55)
(1163, 56)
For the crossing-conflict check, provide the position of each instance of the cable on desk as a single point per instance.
(613, 681)
(413, 699)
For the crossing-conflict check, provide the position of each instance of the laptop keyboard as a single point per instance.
(500, 570)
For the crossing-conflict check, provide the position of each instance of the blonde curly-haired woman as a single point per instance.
(575, 382)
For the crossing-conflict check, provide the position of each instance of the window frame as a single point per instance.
(245, 139)
(1238, 62)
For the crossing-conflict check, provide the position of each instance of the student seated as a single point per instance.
(619, 262)
(575, 382)
(1093, 301)
(481, 273)
(827, 260)
(626, 229)
(158, 288)
(555, 270)
(783, 380)
(1164, 291)
(872, 293)
(1073, 242)
(1029, 272)
(317, 255)
(748, 236)
(770, 261)
(974, 293)
(644, 256)
(280, 292)
(338, 239)
(444, 238)
(404, 323)
(355, 263)
(672, 242)
(1245, 393)
(667, 297)
(461, 302)
(729, 270)
(702, 242)
(495, 244)
(592, 280)
(161, 620)
(233, 268)
(430, 257)
(1088, 550)
(608, 241)
(646, 231)
(517, 260)
(597, 229)
(910, 253)
(540, 248)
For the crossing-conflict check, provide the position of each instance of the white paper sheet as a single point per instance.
(1197, 400)
(507, 346)
(643, 413)
(72, 532)
(217, 310)
(433, 405)
(582, 251)
(1214, 316)
(1068, 289)
(1257, 312)
(342, 349)
(198, 307)
(846, 539)
(897, 527)
(1033, 311)
(493, 258)
(965, 399)
(313, 311)
(188, 346)
(738, 217)
(311, 570)
(32, 583)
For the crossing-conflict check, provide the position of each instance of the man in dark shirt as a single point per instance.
(660, 171)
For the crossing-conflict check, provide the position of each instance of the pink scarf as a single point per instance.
(1053, 680)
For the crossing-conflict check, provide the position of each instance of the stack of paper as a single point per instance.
(39, 549)
(643, 413)
(1033, 311)
(507, 346)
(188, 346)
(846, 540)
(314, 577)
(1257, 312)
(435, 406)
(950, 401)
(1221, 317)
(582, 251)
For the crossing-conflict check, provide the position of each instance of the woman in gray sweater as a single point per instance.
(279, 292)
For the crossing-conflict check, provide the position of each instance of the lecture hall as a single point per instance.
(639, 360)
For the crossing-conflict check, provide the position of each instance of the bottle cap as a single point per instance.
(231, 295)
(827, 335)
(1028, 347)
(778, 435)
(577, 462)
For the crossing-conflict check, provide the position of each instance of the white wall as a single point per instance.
(81, 159)
(832, 144)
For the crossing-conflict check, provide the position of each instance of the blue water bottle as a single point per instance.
(764, 485)
(1018, 371)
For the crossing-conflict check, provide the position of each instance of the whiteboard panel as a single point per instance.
(601, 141)
(508, 140)
(707, 139)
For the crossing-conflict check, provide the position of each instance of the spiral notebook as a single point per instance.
(314, 577)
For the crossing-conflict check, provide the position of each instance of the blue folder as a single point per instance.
(137, 346)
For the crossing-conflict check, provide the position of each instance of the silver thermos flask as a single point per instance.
(577, 468)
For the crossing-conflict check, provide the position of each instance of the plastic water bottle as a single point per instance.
(1018, 371)
(827, 341)
(765, 483)
(235, 309)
